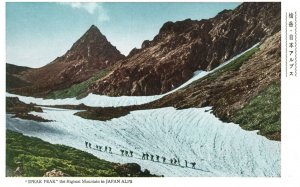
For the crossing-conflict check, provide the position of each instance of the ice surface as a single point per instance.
(107, 101)
(218, 148)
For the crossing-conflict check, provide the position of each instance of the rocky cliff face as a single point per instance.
(183, 47)
(91, 53)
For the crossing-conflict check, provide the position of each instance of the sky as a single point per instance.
(37, 33)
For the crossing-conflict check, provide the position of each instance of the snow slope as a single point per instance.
(218, 148)
(107, 101)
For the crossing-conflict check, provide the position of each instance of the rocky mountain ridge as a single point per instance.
(183, 47)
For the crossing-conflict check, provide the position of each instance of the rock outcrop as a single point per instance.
(55, 173)
(183, 47)
(132, 170)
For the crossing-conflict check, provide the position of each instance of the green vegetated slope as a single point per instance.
(262, 112)
(232, 66)
(78, 90)
(37, 157)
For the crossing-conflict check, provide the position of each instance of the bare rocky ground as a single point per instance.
(21, 110)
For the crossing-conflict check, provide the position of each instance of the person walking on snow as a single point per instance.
(171, 161)
(143, 157)
(109, 149)
(147, 156)
(90, 145)
(157, 158)
(186, 163)
(152, 157)
(100, 148)
(105, 149)
(86, 144)
(131, 153)
(164, 159)
(193, 164)
(122, 152)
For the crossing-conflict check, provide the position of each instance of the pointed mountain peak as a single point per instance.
(93, 31)
(93, 28)
(92, 39)
(92, 45)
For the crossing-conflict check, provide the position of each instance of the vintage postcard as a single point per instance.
(145, 89)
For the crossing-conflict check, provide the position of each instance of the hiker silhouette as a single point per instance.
(105, 149)
(109, 149)
(100, 148)
(171, 161)
(122, 152)
(126, 153)
(86, 144)
(131, 153)
(147, 156)
(90, 145)
(157, 158)
(164, 159)
(152, 158)
(144, 156)
(193, 164)
(175, 161)
(186, 162)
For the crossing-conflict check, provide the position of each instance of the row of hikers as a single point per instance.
(98, 147)
(145, 156)
(126, 153)
(173, 161)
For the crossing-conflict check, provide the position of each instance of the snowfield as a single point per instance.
(195, 135)
(107, 101)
